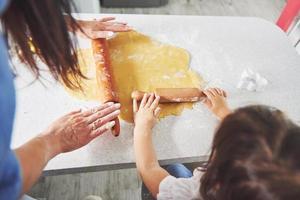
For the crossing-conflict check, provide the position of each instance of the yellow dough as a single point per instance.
(140, 63)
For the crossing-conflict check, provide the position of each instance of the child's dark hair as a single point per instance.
(255, 156)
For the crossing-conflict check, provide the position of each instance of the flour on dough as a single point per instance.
(140, 63)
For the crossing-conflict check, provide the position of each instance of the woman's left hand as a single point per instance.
(78, 128)
(101, 28)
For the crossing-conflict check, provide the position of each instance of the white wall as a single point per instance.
(87, 6)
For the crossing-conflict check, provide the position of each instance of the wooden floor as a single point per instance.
(125, 184)
(110, 185)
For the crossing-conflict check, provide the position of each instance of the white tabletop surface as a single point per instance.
(220, 47)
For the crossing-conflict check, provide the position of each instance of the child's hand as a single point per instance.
(146, 115)
(216, 102)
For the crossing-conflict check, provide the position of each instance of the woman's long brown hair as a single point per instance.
(42, 23)
(255, 156)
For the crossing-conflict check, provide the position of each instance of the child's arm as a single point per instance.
(216, 102)
(145, 118)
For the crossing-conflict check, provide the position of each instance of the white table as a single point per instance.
(220, 47)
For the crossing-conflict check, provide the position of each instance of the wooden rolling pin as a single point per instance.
(173, 95)
(104, 76)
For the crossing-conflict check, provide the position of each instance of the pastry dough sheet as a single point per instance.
(140, 63)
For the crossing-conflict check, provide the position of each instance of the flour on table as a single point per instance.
(252, 81)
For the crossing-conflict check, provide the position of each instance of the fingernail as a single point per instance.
(110, 34)
(110, 103)
(109, 125)
(117, 105)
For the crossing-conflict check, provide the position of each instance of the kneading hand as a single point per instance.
(78, 128)
(146, 115)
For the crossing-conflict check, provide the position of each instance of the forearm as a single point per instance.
(33, 157)
(146, 161)
(223, 113)
(144, 150)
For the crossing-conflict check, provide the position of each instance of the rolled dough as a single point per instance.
(140, 63)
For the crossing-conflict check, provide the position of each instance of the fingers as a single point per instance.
(106, 19)
(101, 121)
(208, 93)
(155, 102)
(135, 106)
(213, 92)
(157, 111)
(224, 93)
(144, 100)
(103, 112)
(100, 34)
(100, 130)
(75, 112)
(221, 92)
(113, 26)
(95, 109)
(121, 23)
(108, 118)
(150, 100)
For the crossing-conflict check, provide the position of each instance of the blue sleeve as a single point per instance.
(10, 176)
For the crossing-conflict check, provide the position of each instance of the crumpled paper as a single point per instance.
(252, 81)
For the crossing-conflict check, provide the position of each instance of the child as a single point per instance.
(255, 155)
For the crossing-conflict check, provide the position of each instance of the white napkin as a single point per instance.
(252, 81)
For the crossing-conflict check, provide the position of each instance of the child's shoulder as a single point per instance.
(181, 188)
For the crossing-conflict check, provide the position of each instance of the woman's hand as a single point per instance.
(146, 115)
(101, 28)
(216, 102)
(78, 128)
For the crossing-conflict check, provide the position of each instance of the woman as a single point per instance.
(255, 155)
(45, 23)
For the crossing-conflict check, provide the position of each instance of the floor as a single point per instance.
(110, 185)
(267, 9)
(125, 184)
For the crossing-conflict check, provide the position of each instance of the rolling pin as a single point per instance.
(173, 95)
(104, 76)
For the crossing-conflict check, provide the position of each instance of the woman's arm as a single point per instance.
(68, 133)
(146, 161)
(33, 157)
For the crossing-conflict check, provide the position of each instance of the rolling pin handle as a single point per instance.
(138, 95)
